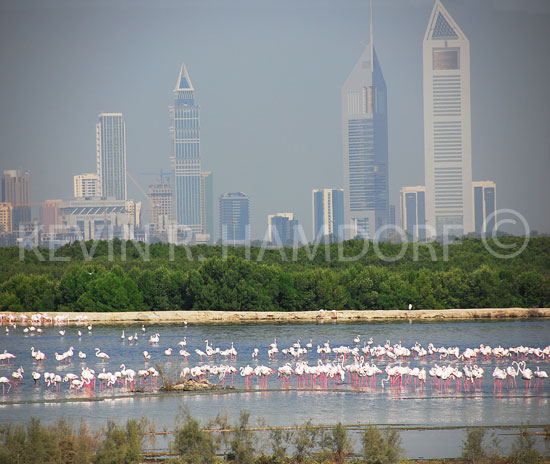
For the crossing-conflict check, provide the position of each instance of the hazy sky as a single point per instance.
(268, 76)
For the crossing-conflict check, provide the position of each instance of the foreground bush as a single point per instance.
(37, 444)
(381, 447)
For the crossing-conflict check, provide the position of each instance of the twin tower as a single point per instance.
(447, 136)
(447, 140)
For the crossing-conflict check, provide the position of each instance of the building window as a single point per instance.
(445, 58)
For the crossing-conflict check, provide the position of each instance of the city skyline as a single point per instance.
(258, 173)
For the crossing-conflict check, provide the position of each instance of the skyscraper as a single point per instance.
(86, 185)
(234, 218)
(186, 156)
(50, 216)
(207, 202)
(111, 155)
(328, 214)
(365, 147)
(412, 202)
(16, 190)
(160, 197)
(447, 131)
(282, 228)
(6, 217)
(485, 206)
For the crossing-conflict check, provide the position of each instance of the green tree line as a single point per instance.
(121, 276)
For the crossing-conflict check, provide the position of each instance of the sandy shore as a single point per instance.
(235, 317)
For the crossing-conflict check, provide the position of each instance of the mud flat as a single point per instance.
(237, 317)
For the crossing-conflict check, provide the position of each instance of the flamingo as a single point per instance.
(82, 355)
(540, 375)
(499, 375)
(168, 352)
(101, 355)
(7, 356)
(62, 332)
(122, 337)
(200, 353)
(35, 377)
(4, 381)
(146, 355)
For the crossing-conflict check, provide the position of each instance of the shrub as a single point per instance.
(381, 447)
(523, 449)
(193, 444)
(473, 451)
(338, 443)
(242, 443)
(122, 445)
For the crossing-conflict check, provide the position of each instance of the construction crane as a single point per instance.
(162, 174)
(141, 189)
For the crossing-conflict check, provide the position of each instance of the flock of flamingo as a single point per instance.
(333, 366)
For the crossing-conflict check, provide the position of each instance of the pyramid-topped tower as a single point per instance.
(447, 126)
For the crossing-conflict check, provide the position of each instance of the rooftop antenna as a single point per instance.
(371, 44)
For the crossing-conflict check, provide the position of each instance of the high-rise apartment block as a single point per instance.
(86, 185)
(50, 216)
(111, 155)
(16, 190)
(447, 125)
(485, 206)
(283, 228)
(328, 214)
(160, 198)
(234, 223)
(186, 155)
(6, 217)
(412, 202)
(365, 147)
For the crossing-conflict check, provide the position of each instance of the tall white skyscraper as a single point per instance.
(86, 185)
(365, 147)
(111, 155)
(186, 155)
(447, 131)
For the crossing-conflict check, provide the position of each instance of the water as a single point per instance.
(408, 407)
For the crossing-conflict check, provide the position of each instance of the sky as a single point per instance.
(268, 76)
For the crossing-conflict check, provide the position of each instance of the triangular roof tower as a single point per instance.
(442, 26)
(184, 81)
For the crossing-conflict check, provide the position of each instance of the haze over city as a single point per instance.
(268, 79)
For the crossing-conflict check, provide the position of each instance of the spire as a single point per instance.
(371, 41)
(442, 26)
(184, 81)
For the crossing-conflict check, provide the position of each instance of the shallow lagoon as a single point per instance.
(409, 407)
